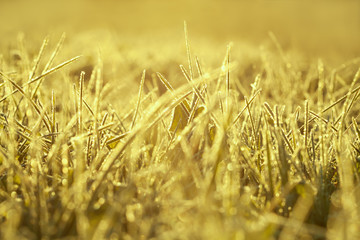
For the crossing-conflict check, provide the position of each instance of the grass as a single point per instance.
(265, 147)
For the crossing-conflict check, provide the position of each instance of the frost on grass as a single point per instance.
(262, 148)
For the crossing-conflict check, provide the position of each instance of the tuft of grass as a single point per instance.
(207, 153)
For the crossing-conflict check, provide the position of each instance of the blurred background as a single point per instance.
(143, 34)
(318, 27)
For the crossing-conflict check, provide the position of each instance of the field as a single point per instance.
(180, 120)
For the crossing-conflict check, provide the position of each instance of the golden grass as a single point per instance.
(167, 143)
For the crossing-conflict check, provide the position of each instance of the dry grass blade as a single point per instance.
(38, 58)
(348, 103)
(244, 108)
(116, 139)
(195, 108)
(269, 161)
(55, 53)
(269, 111)
(306, 130)
(201, 74)
(339, 100)
(356, 148)
(287, 141)
(251, 119)
(188, 52)
(354, 98)
(277, 119)
(53, 111)
(75, 98)
(138, 100)
(184, 105)
(97, 100)
(88, 108)
(192, 85)
(36, 107)
(165, 82)
(198, 66)
(80, 102)
(54, 69)
(49, 63)
(322, 119)
(197, 93)
(356, 127)
(297, 113)
(227, 79)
